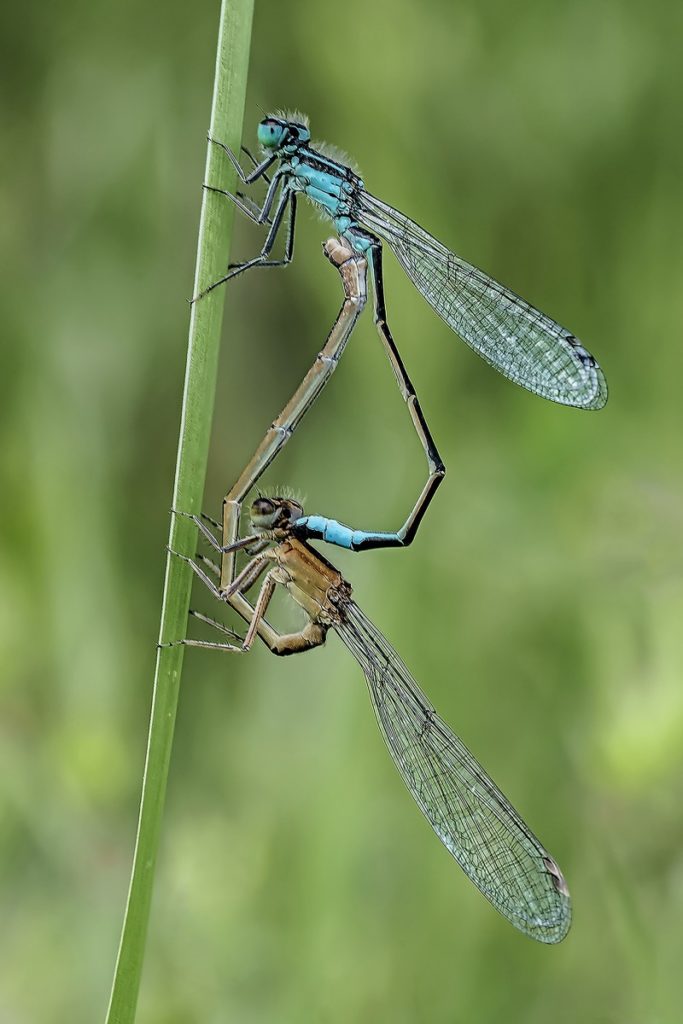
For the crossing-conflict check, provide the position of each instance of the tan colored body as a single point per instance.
(309, 579)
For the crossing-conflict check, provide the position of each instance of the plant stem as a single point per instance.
(198, 398)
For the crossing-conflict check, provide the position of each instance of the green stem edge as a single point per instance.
(215, 230)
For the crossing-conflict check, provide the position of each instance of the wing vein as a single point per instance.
(468, 812)
(517, 339)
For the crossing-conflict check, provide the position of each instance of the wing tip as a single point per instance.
(600, 391)
(555, 928)
(594, 385)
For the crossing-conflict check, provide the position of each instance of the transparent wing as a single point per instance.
(465, 808)
(520, 341)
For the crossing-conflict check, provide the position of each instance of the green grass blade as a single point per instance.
(197, 410)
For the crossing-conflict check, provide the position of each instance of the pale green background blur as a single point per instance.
(541, 606)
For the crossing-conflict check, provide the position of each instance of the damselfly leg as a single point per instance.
(260, 217)
(311, 635)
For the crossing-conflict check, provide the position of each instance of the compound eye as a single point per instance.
(262, 507)
(269, 133)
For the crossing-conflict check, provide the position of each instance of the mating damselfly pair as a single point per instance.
(468, 812)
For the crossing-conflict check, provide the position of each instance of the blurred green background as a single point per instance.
(540, 607)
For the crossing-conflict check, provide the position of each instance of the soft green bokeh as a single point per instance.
(540, 606)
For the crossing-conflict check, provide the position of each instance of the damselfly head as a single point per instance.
(274, 515)
(276, 132)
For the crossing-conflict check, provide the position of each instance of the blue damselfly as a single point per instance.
(514, 337)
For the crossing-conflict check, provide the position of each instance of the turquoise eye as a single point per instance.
(273, 133)
(270, 134)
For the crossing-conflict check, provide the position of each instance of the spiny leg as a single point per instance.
(211, 586)
(262, 601)
(254, 616)
(254, 161)
(240, 195)
(244, 202)
(259, 170)
(287, 198)
(249, 575)
(258, 261)
(208, 519)
(199, 572)
(260, 214)
(215, 569)
(255, 541)
(312, 635)
(211, 645)
(253, 207)
(200, 522)
(220, 626)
